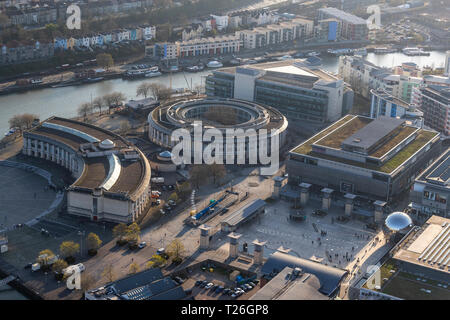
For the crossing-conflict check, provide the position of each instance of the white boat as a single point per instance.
(313, 54)
(214, 64)
(152, 72)
(383, 50)
(415, 52)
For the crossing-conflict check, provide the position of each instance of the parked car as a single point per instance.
(198, 283)
(219, 289)
(209, 285)
(141, 245)
(28, 265)
(179, 280)
(162, 211)
(203, 284)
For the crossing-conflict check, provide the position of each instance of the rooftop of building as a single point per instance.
(438, 173)
(287, 285)
(290, 72)
(344, 15)
(334, 135)
(146, 285)
(329, 277)
(427, 246)
(103, 153)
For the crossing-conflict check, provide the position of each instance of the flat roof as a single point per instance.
(329, 277)
(373, 132)
(241, 215)
(421, 139)
(427, 246)
(286, 286)
(343, 15)
(441, 172)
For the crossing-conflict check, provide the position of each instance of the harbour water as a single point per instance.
(64, 101)
(8, 293)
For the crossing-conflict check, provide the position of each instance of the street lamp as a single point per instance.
(81, 234)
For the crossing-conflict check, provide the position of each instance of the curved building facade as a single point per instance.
(112, 177)
(245, 117)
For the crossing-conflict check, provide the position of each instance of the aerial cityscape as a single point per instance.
(229, 151)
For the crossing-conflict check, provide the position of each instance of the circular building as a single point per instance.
(112, 176)
(244, 122)
(162, 162)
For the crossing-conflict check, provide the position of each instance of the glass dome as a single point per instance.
(397, 221)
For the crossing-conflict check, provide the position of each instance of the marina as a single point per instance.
(55, 101)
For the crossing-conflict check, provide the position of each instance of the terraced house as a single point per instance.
(373, 158)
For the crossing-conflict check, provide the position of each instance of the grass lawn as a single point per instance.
(409, 289)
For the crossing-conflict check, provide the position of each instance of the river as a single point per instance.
(65, 101)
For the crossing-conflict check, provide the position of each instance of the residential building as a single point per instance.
(164, 50)
(376, 159)
(32, 16)
(363, 76)
(273, 34)
(431, 191)
(194, 31)
(328, 30)
(299, 91)
(26, 51)
(353, 27)
(434, 102)
(209, 46)
(385, 104)
(221, 22)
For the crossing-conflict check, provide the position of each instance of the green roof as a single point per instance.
(422, 138)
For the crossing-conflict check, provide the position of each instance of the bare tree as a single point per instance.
(98, 104)
(22, 121)
(108, 273)
(160, 92)
(217, 171)
(84, 109)
(144, 89)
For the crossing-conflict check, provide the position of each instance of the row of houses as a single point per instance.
(259, 37)
(25, 13)
(92, 40)
(15, 52)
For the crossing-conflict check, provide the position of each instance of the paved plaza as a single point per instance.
(23, 196)
(301, 237)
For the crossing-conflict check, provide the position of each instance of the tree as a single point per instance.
(44, 257)
(143, 89)
(198, 173)
(175, 250)
(183, 190)
(117, 98)
(160, 92)
(134, 268)
(120, 231)
(93, 242)
(98, 104)
(173, 197)
(124, 127)
(68, 250)
(108, 273)
(84, 109)
(58, 268)
(156, 261)
(22, 121)
(218, 171)
(133, 232)
(105, 60)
